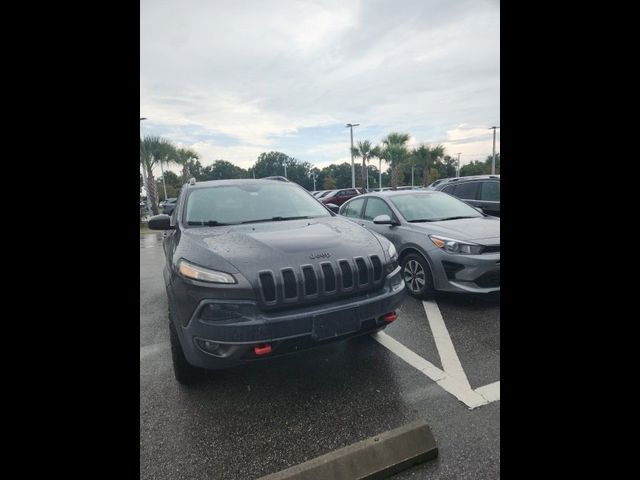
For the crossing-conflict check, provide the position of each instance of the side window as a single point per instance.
(490, 191)
(340, 193)
(466, 191)
(350, 192)
(375, 207)
(448, 189)
(353, 208)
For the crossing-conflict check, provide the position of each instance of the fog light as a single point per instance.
(209, 346)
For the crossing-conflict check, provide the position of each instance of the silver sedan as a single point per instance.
(443, 243)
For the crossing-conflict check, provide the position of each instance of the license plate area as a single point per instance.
(335, 324)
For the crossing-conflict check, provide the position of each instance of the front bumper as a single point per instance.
(465, 273)
(288, 331)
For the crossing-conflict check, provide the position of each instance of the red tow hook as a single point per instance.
(390, 317)
(262, 349)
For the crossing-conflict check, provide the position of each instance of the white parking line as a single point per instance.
(491, 392)
(448, 356)
(452, 379)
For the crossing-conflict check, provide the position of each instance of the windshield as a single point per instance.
(326, 193)
(431, 207)
(248, 203)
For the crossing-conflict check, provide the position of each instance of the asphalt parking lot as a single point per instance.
(439, 362)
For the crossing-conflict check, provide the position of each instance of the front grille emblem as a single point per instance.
(313, 256)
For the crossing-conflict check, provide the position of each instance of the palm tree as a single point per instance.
(378, 152)
(364, 150)
(396, 150)
(436, 153)
(422, 158)
(153, 150)
(183, 157)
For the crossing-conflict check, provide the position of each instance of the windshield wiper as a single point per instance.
(454, 218)
(208, 223)
(277, 219)
(419, 220)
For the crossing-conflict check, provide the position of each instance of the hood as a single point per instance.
(254, 247)
(483, 230)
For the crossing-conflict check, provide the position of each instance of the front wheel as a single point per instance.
(185, 373)
(417, 276)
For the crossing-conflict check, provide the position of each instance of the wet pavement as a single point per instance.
(253, 420)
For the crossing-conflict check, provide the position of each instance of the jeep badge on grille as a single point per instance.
(313, 256)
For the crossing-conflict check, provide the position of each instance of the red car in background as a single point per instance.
(338, 197)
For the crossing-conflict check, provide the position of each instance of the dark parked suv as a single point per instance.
(481, 191)
(258, 268)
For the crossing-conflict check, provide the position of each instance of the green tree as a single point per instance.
(272, 163)
(195, 170)
(488, 163)
(221, 169)
(364, 150)
(184, 157)
(394, 152)
(341, 173)
(475, 167)
(329, 183)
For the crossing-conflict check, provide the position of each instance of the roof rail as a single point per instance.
(276, 177)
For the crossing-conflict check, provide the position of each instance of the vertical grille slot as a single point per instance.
(329, 277)
(363, 271)
(347, 276)
(289, 281)
(377, 268)
(310, 281)
(268, 285)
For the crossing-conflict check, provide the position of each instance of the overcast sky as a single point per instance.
(232, 79)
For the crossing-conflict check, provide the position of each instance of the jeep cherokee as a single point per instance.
(259, 268)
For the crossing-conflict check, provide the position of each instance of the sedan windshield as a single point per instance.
(432, 207)
(248, 203)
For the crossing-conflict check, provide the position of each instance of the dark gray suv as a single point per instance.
(259, 268)
(481, 191)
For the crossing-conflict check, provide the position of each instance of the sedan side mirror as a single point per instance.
(160, 222)
(333, 207)
(383, 220)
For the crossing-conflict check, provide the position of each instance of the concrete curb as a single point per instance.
(372, 459)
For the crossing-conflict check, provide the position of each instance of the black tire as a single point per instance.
(417, 276)
(185, 373)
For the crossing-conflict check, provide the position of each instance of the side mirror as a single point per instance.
(160, 222)
(333, 207)
(383, 220)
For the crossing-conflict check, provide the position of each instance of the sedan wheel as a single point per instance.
(417, 276)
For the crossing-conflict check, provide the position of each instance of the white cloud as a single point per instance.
(259, 72)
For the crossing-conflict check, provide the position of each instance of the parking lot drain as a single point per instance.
(374, 458)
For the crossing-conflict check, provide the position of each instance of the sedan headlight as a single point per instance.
(451, 245)
(202, 274)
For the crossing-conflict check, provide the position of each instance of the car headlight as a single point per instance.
(202, 274)
(451, 245)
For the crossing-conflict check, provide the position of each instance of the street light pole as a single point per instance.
(493, 158)
(353, 170)
(380, 173)
(285, 170)
(458, 164)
